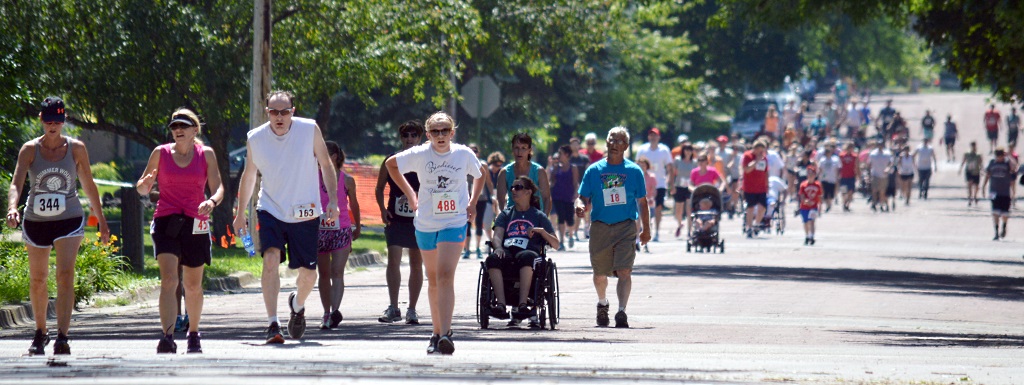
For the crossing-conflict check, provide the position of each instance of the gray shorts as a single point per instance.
(611, 246)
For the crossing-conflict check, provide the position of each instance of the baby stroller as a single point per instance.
(705, 241)
(774, 219)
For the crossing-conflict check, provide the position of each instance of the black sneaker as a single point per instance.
(812, 241)
(1002, 234)
(336, 318)
(432, 345)
(602, 315)
(274, 334)
(621, 319)
(39, 342)
(193, 343)
(445, 345)
(61, 345)
(498, 311)
(534, 323)
(167, 345)
(297, 321)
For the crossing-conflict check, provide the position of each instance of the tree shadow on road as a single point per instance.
(982, 286)
(1004, 262)
(935, 339)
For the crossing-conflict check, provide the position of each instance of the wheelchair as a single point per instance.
(543, 292)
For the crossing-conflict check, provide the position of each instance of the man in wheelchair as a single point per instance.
(520, 233)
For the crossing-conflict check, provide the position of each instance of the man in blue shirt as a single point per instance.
(614, 192)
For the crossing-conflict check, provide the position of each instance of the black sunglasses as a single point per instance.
(441, 132)
(517, 187)
(410, 135)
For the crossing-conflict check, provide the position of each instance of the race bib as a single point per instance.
(306, 211)
(761, 165)
(813, 214)
(402, 208)
(200, 227)
(444, 203)
(683, 182)
(516, 242)
(614, 196)
(49, 205)
(327, 224)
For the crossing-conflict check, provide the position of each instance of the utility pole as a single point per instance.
(260, 85)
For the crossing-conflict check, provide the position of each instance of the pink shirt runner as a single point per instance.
(182, 189)
(344, 220)
(696, 179)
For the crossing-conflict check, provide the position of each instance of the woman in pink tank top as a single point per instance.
(335, 240)
(183, 170)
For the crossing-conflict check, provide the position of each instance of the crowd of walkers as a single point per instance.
(439, 190)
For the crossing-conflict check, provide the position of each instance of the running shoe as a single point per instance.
(391, 314)
(1002, 234)
(297, 321)
(181, 325)
(465, 254)
(445, 345)
(812, 241)
(432, 345)
(561, 247)
(39, 342)
(167, 345)
(679, 230)
(325, 322)
(410, 317)
(478, 254)
(655, 238)
(602, 315)
(336, 318)
(193, 343)
(571, 241)
(274, 334)
(996, 238)
(61, 345)
(646, 250)
(621, 319)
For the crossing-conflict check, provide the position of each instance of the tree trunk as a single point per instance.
(323, 113)
(223, 214)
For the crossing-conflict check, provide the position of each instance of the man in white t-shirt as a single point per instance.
(880, 164)
(775, 164)
(925, 158)
(660, 158)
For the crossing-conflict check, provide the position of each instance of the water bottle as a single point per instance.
(247, 243)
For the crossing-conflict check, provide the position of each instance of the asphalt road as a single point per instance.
(921, 295)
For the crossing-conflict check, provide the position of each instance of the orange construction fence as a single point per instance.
(366, 181)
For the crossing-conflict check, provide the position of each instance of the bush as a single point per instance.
(98, 269)
(14, 277)
(106, 171)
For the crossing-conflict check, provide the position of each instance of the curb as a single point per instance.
(21, 314)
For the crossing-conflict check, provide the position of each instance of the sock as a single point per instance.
(622, 308)
(602, 301)
(298, 308)
(274, 320)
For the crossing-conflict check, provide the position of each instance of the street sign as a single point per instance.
(480, 97)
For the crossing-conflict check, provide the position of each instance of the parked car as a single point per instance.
(236, 159)
(749, 118)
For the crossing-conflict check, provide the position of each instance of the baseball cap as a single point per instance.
(52, 109)
(682, 138)
(654, 130)
(723, 138)
(812, 167)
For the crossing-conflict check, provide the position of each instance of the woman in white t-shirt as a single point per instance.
(443, 208)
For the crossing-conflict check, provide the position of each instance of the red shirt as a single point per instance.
(594, 156)
(810, 195)
(848, 165)
(992, 120)
(756, 181)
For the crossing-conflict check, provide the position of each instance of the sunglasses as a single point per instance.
(281, 112)
(410, 135)
(441, 132)
(179, 127)
(517, 187)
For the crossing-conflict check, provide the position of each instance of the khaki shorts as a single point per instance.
(611, 246)
(879, 184)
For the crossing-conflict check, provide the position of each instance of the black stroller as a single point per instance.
(700, 240)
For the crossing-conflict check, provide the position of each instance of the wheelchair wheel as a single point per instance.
(552, 296)
(721, 246)
(483, 295)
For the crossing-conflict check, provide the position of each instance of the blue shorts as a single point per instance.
(849, 183)
(301, 239)
(806, 214)
(429, 240)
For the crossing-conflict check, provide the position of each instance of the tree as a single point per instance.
(976, 40)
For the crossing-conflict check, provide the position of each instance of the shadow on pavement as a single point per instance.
(934, 339)
(993, 287)
(960, 260)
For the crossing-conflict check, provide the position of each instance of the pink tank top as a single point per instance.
(181, 188)
(344, 220)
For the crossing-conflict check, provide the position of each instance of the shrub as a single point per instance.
(14, 277)
(106, 171)
(98, 268)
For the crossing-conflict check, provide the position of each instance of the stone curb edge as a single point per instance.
(21, 314)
